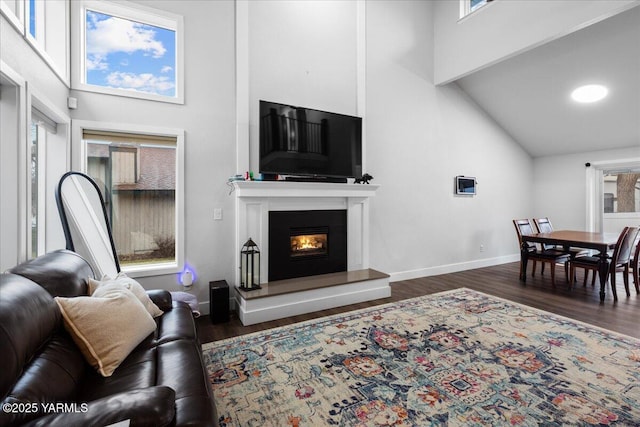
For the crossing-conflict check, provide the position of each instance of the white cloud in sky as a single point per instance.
(114, 44)
(145, 82)
(120, 35)
(96, 62)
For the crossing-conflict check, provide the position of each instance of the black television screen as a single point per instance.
(305, 142)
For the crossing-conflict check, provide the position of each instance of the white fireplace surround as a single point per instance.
(254, 201)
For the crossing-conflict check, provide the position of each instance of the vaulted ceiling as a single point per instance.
(529, 94)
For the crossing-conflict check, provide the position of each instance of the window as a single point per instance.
(46, 159)
(33, 22)
(613, 194)
(475, 4)
(621, 191)
(140, 174)
(468, 6)
(129, 50)
(41, 129)
(37, 143)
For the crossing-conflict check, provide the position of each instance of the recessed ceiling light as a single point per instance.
(589, 93)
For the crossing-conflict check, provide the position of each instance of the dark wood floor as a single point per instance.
(581, 303)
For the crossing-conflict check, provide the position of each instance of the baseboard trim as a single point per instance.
(452, 268)
(410, 274)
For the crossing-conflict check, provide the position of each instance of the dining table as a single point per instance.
(601, 242)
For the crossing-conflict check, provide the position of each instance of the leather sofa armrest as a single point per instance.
(161, 298)
(153, 406)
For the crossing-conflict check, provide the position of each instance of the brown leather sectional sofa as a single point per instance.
(45, 380)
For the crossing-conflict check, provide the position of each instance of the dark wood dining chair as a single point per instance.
(543, 225)
(620, 260)
(635, 264)
(550, 256)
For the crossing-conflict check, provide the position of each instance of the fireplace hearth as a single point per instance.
(307, 243)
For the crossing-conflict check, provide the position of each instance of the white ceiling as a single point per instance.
(529, 94)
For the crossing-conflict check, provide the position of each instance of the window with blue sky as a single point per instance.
(468, 6)
(477, 3)
(32, 18)
(128, 55)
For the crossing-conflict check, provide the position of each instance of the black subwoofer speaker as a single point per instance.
(219, 301)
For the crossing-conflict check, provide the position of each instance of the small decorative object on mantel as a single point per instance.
(250, 266)
(364, 179)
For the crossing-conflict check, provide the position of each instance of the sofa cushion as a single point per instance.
(176, 323)
(138, 370)
(180, 367)
(154, 406)
(130, 284)
(39, 360)
(161, 298)
(62, 273)
(106, 326)
(28, 317)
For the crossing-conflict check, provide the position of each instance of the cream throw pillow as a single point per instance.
(131, 285)
(106, 326)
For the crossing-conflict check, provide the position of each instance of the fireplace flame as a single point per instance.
(310, 242)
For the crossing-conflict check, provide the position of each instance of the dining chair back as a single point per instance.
(545, 255)
(619, 259)
(524, 228)
(635, 264)
(544, 226)
(626, 247)
(624, 259)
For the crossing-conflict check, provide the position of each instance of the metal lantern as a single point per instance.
(250, 266)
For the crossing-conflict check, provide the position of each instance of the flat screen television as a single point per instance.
(304, 142)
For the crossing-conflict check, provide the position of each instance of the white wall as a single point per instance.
(419, 137)
(301, 53)
(208, 118)
(560, 186)
(507, 27)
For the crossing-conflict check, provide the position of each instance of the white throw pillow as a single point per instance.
(106, 326)
(130, 284)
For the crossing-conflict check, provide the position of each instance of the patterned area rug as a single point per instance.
(458, 358)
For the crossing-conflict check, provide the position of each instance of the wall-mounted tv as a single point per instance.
(304, 142)
(465, 185)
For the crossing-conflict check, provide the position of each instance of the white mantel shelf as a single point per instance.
(302, 189)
